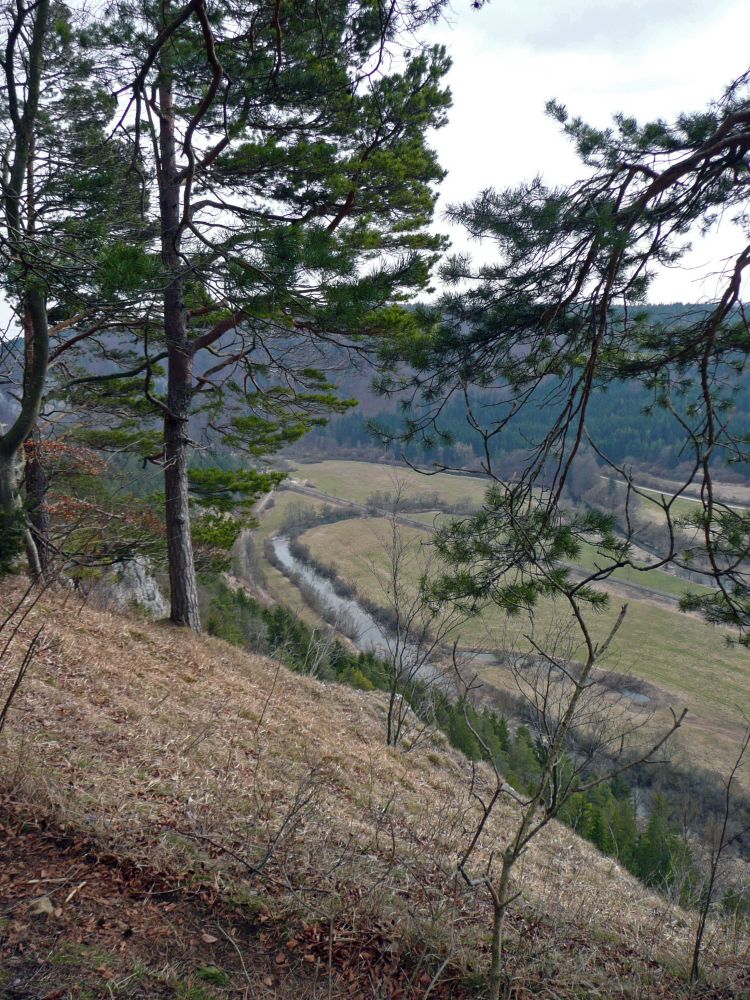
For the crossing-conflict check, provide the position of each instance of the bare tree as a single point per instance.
(417, 628)
(723, 832)
(16, 654)
(322, 641)
(586, 738)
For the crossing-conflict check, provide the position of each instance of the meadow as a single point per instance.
(687, 662)
(356, 481)
(359, 480)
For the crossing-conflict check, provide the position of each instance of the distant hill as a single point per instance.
(622, 419)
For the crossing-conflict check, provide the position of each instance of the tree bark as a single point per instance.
(32, 295)
(37, 484)
(183, 589)
(35, 477)
(11, 442)
(37, 536)
(499, 909)
(7, 486)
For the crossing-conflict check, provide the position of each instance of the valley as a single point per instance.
(673, 656)
(374, 501)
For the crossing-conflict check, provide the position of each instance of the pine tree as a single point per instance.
(461, 736)
(597, 828)
(624, 830)
(292, 187)
(68, 205)
(653, 855)
(24, 54)
(560, 316)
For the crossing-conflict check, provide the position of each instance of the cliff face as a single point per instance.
(272, 798)
(128, 587)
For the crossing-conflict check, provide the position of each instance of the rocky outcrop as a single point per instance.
(130, 585)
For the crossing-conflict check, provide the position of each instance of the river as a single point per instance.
(348, 616)
(344, 613)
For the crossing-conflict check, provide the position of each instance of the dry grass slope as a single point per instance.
(190, 757)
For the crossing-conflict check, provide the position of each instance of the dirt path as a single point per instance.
(727, 493)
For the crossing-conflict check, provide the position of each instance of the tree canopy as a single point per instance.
(559, 316)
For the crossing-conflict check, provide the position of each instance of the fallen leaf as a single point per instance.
(42, 907)
(208, 938)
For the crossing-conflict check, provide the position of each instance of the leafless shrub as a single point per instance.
(418, 628)
(577, 726)
(724, 830)
(10, 631)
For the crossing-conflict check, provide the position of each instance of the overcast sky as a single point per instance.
(647, 58)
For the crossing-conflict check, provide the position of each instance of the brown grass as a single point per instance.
(358, 480)
(174, 750)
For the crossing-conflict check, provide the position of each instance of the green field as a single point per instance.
(653, 511)
(649, 508)
(358, 480)
(655, 579)
(687, 660)
(430, 518)
(655, 642)
(284, 504)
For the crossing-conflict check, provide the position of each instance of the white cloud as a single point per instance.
(645, 59)
(599, 25)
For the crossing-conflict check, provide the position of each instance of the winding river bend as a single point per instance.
(349, 617)
(345, 613)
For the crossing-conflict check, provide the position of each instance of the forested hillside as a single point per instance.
(627, 420)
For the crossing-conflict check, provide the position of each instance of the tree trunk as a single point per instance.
(390, 740)
(11, 511)
(695, 969)
(499, 908)
(32, 295)
(183, 588)
(8, 506)
(35, 477)
(496, 960)
(11, 442)
(36, 483)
